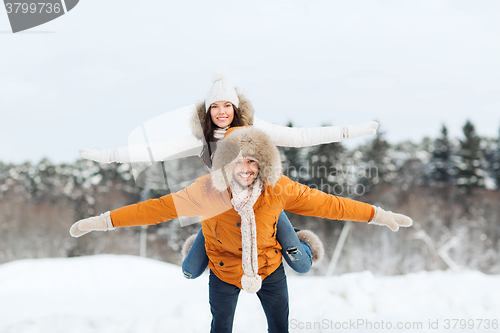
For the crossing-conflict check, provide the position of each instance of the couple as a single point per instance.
(241, 203)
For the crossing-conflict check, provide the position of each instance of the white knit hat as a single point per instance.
(221, 91)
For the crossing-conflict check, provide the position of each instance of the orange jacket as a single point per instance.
(221, 223)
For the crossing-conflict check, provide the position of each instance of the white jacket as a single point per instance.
(142, 148)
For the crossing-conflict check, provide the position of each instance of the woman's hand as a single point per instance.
(102, 156)
(351, 132)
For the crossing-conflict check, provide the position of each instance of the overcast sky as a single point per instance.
(88, 78)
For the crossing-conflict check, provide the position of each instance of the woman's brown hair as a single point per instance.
(208, 132)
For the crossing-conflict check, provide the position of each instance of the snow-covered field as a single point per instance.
(109, 293)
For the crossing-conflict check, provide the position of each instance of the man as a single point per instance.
(239, 204)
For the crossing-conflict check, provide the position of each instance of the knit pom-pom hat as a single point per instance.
(222, 90)
(248, 142)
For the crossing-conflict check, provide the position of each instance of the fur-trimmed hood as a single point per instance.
(245, 142)
(198, 118)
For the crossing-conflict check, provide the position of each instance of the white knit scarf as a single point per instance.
(219, 133)
(243, 201)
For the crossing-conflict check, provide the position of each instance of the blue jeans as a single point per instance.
(196, 260)
(297, 254)
(273, 296)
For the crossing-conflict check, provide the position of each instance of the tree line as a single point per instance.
(449, 186)
(467, 163)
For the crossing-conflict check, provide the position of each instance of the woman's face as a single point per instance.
(222, 113)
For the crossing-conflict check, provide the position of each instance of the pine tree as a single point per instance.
(442, 166)
(326, 170)
(292, 162)
(495, 161)
(470, 174)
(377, 162)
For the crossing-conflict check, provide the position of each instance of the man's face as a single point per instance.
(246, 171)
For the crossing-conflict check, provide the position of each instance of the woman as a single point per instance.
(224, 107)
(239, 202)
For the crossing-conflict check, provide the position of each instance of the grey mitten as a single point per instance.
(390, 219)
(99, 223)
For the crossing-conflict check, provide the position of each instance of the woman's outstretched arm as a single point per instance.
(153, 152)
(311, 136)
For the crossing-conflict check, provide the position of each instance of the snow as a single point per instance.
(111, 293)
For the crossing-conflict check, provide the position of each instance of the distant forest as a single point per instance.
(449, 186)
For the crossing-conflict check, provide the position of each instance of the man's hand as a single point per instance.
(390, 219)
(99, 223)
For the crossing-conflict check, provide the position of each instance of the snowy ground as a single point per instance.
(120, 294)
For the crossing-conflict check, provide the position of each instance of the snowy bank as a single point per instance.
(109, 293)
